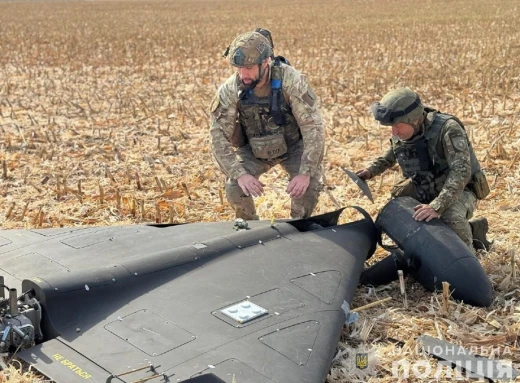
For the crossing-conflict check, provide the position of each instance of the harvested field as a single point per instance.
(104, 121)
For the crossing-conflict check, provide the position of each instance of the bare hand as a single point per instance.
(364, 174)
(250, 185)
(298, 185)
(425, 213)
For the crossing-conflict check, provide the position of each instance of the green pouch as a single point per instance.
(479, 185)
(268, 147)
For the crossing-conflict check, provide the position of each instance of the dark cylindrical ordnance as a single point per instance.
(385, 271)
(13, 302)
(434, 253)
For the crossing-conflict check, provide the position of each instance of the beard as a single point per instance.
(252, 83)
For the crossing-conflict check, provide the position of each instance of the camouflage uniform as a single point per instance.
(245, 139)
(446, 191)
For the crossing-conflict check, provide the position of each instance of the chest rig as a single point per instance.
(268, 122)
(422, 158)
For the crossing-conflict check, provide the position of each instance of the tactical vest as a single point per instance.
(423, 161)
(268, 122)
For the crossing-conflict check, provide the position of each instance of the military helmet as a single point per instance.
(250, 48)
(400, 105)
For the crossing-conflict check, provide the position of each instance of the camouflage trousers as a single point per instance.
(456, 216)
(244, 206)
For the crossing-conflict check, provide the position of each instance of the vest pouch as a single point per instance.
(479, 185)
(268, 147)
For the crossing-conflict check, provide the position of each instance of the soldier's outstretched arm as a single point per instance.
(222, 123)
(304, 105)
(456, 150)
(382, 163)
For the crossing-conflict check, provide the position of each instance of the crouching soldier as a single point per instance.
(266, 114)
(438, 163)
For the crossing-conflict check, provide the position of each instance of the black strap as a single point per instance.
(276, 95)
(425, 161)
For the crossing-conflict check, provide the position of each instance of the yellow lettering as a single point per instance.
(70, 365)
(58, 357)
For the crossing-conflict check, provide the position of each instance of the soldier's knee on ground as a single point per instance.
(461, 227)
(455, 216)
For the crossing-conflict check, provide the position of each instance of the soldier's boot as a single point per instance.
(479, 229)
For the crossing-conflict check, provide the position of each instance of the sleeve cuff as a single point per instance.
(373, 171)
(306, 170)
(437, 206)
(237, 173)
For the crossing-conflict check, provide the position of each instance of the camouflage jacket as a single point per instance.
(450, 152)
(302, 105)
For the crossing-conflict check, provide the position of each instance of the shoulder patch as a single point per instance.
(214, 104)
(309, 97)
(459, 142)
(311, 93)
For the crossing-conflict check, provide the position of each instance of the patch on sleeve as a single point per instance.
(459, 143)
(214, 104)
(309, 97)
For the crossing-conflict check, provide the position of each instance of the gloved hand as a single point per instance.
(364, 174)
